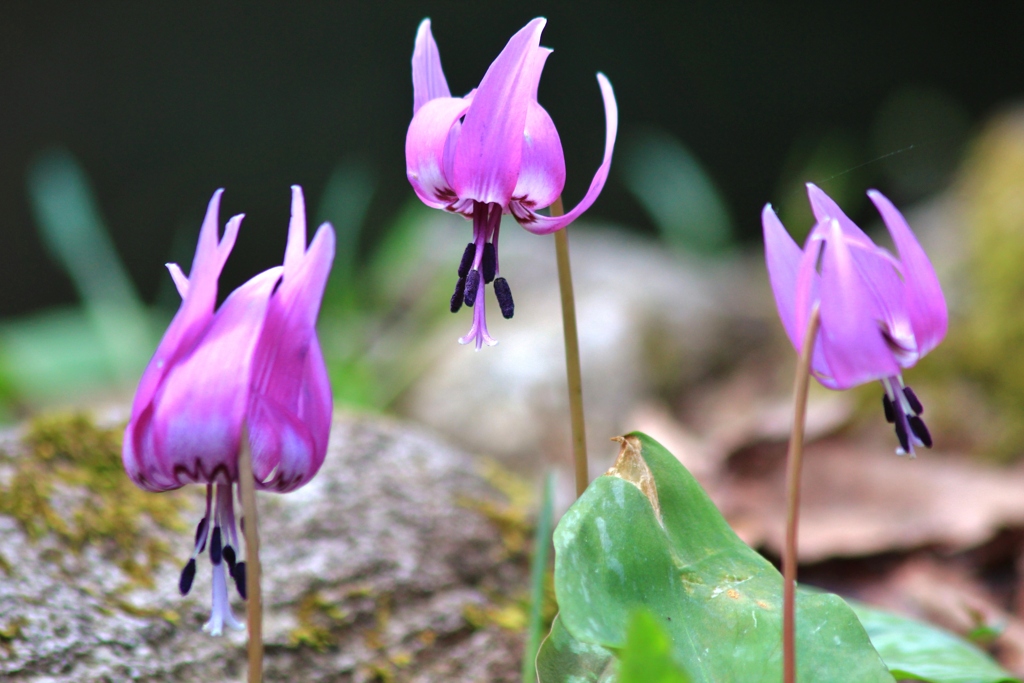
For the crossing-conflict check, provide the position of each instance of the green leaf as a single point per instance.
(563, 659)
(918, 651)
(647, 657)
(646, 535)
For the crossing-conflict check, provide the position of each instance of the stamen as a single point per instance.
(216, 549)
(459, 295)
(890, 412)
(188, 575)
(504, 295)
(920, 430)
(229, 557)
(901, 434)
(489, 263)
(472, 285)
(912, 399)
(467, 259)
(239, 576)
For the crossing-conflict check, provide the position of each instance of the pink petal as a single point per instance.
(428, 81)
(543, 225)
(808, 288)
(853, 345)
(288, 445)
(180, 279)
(289, 417)
(199, 295)
(926, 304)
(191, 431)
(490, 150)
(295, 247)
(782, 256)
(425, 145)
(825, 209)
(542, 174)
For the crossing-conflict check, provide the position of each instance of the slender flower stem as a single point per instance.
(794, 464)
(254, 597)
(572, 354)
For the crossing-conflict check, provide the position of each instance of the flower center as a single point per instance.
(222, 541)
(479, 268)
(904, 410)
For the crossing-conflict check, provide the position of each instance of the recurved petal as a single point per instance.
(190, 433)
(425, 145)
(853, 345)
(543, 225)
(542, 173)
(926, 304)
(489, 154)
(428, 81)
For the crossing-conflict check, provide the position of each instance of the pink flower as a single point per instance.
(493, 152)
(254, 361)
(879, 314)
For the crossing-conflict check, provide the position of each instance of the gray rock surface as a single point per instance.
(651, 321)
(369, 574)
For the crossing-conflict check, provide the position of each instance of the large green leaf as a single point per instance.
(922, 652)
(646, 536)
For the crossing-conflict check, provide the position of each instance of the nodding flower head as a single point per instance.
(255, 361)
(495, 151)
(879, 313)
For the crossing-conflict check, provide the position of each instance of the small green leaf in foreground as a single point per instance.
(918, 651)
(647, 657)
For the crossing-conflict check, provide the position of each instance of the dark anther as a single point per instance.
(216, 549)
(504, 295)
(489, 263)
(188, 574)
(459, 295)
(915, 405)
(920, 431)
(472, 284)
(901, 434)
(239, 576)
(467, 259)
(201, 531)
(229, 557)
(890, 412)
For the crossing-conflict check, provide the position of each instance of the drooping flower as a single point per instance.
(879, 313)
(256, 362)
(495, 151)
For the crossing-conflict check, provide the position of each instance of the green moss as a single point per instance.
(69, 456)
(319, 622)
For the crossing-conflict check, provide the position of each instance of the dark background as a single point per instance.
(163, 103)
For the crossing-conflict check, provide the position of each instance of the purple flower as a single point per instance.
(256, 362)
(493, 152)
(879, 314)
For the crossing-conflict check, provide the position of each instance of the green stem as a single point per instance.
(572, 354)
(794, 464)
(538, 569)
(254, 597)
